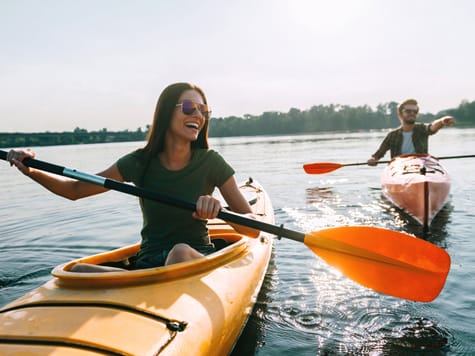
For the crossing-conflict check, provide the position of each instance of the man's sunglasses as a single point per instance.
(189, 107)
(410, 111)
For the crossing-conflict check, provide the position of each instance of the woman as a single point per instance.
(175, 161)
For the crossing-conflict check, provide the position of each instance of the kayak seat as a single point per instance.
(224, 239)
(128, 263)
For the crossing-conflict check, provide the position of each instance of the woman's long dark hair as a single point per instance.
(166, 104)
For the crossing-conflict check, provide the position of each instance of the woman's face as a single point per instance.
(187, 120)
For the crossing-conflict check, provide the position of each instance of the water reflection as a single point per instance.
(318, 194)
(421, 335)
(437, 231)
(414, 340)
(253, 335)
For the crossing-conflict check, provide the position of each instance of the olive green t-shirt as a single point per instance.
(165, 225)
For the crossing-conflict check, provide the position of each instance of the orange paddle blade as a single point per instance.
(320, 168)
(387, 261)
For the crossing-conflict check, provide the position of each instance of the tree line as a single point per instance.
(316, 119)
(329, 118)
(76, 137)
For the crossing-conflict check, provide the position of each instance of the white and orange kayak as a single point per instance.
(197, 307)
(417, 184)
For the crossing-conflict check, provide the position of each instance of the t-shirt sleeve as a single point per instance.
(131, 167)
(220, 169)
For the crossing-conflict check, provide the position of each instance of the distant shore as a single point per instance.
(321, 118)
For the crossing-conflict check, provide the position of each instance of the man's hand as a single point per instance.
(372, 162)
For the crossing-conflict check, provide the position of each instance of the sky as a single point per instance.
(97, 64)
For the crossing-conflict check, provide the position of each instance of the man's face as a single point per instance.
(409, 114)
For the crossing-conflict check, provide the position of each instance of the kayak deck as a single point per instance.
(200, 305)
(417, 184)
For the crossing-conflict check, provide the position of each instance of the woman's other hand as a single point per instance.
(16, 157)
(207, 207)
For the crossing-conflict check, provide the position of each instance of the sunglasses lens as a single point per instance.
(188, 107)
(203, 109)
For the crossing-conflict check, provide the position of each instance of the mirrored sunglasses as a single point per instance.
(189, 107)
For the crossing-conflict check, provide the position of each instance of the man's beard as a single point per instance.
(410, 121)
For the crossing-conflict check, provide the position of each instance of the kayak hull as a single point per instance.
(417, 184)
(198, 306)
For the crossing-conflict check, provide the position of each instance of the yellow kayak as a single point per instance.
(197, 307)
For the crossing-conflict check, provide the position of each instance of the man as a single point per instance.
(410, 137)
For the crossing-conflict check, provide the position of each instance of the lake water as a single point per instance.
(305, 306)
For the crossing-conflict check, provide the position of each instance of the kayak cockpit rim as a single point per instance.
(239, 246)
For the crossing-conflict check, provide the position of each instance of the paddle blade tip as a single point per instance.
(320, 168)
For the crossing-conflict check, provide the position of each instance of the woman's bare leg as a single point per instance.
(180, 253)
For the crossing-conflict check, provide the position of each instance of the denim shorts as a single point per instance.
(159, 259)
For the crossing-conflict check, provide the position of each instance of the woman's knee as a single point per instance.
(181, 252)
(180, 249)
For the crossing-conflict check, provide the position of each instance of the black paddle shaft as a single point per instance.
(152, 195)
